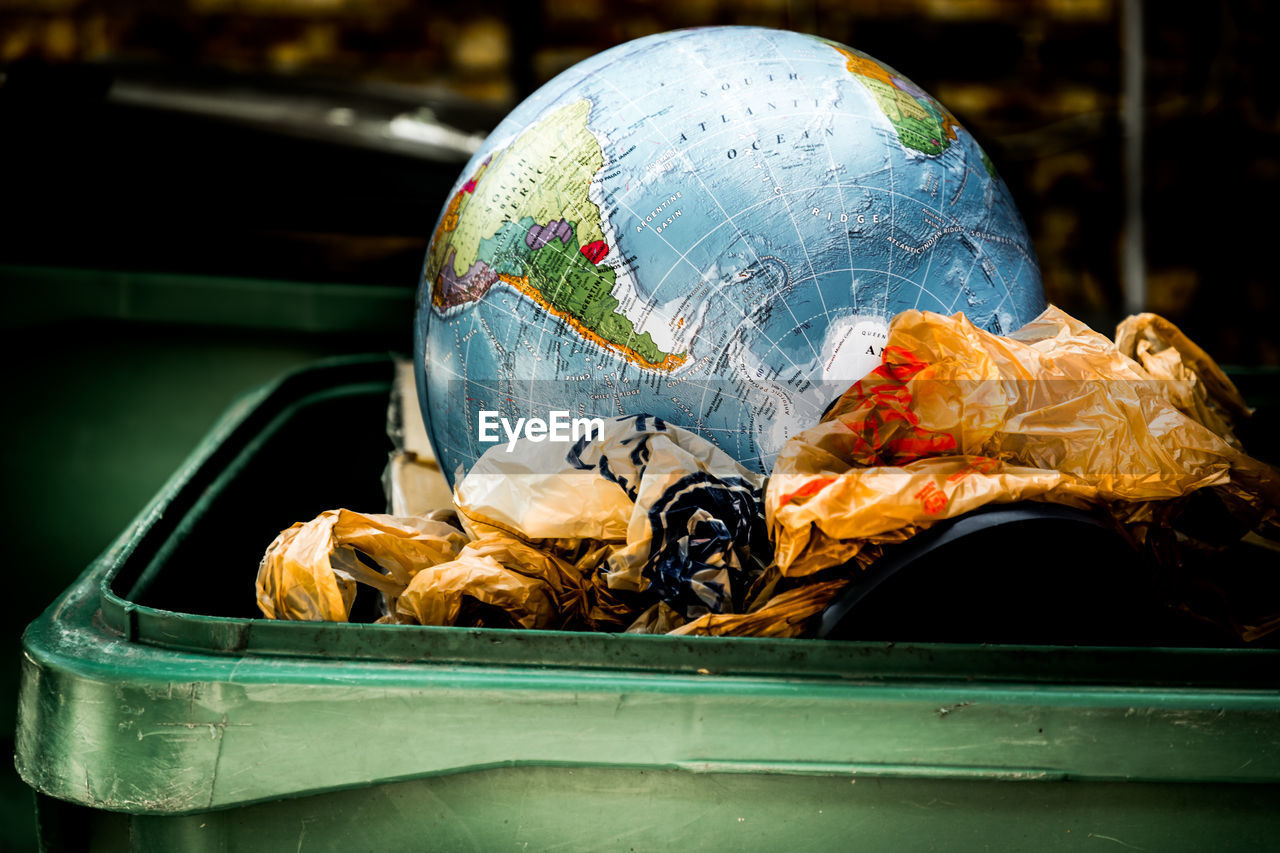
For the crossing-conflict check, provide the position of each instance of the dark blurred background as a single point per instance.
(125, 159)
(198, 195)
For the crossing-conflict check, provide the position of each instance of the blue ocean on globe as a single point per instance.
(713, 226)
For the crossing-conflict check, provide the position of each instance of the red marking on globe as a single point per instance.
(469, 186)
(595, 251)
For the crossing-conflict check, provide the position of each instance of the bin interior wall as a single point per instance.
(321, 454)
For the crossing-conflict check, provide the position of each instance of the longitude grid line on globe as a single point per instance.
(683, 257)
(723, 212)
(707, 140)
(844, 211)
(796, 226)
(564, 278)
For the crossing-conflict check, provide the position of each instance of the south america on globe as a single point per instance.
(712, 226)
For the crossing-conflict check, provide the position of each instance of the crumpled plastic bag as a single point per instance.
(429, 572)
(679, 517)
(311, 570)
(956, 417)
(1197, 386)
(498, 581)
(553, 539)
(788, 613)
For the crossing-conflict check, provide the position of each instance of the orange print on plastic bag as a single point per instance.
(884, 428)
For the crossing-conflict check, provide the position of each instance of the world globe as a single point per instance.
(710, 226)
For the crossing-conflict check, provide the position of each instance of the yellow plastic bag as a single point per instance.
(311, 570)
(787, 614)
(955, 418)
(1197, 386)
(497, 581)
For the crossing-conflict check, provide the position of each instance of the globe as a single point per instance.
(710, 226)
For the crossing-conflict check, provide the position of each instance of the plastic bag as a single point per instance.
(955, 418)
(311, 570)
(554, 538)
(786, 614)
(1198, 387)
(676, 515)
(498, 581)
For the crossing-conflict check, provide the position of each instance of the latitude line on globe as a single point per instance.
(822, 300)
(730, 218)
(937, 238)
(742, 236)
(759, 260)
(683, 257)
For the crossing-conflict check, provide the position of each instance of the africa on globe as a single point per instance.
(713, 226)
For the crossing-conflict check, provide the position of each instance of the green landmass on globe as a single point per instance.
(921, 122)
(540, 252)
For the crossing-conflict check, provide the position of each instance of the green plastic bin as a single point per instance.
(158, 713)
